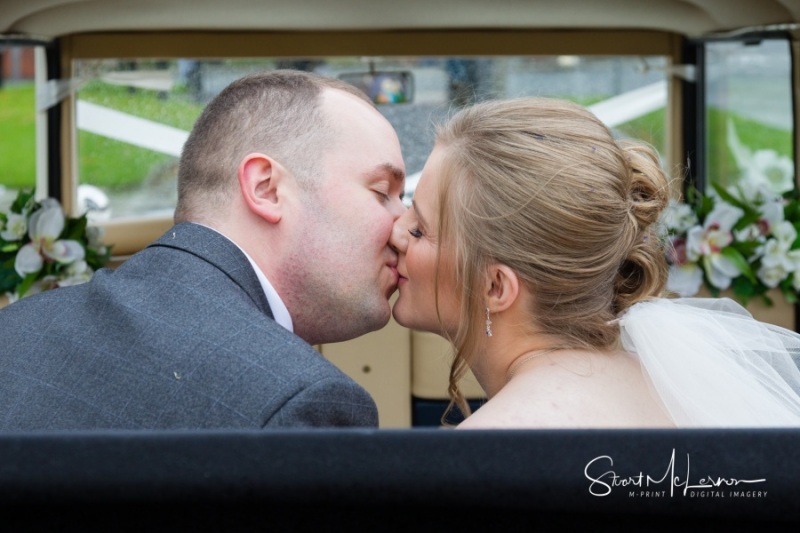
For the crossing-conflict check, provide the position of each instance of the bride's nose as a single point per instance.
(399, 238)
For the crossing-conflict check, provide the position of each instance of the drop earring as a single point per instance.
(488, 324)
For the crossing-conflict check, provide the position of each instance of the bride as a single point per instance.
(532, 246)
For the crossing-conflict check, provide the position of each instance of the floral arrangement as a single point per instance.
(743, 237)
(745, 240)
(42, 249)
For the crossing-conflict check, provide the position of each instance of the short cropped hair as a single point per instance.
(276, 113)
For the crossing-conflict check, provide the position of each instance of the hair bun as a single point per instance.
(642, 273)
(649, 187)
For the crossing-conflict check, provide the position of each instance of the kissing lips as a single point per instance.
(401, 279)
(394, 278)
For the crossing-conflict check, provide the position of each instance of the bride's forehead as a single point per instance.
(428, 186)
(433, 171)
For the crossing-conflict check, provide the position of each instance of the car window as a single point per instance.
(749, 117)
(133, 115)
(17, 121)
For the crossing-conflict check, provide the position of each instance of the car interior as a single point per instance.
(113, 90)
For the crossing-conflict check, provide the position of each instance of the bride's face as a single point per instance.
(416, 238)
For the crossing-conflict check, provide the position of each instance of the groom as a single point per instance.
(288, 188)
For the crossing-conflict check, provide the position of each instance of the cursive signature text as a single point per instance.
(604, 482)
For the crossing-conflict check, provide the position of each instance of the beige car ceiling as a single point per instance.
(47, 19)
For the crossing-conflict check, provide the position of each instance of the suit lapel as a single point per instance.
(218, 250)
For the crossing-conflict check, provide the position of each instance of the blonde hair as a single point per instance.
(541, 186)
(275, 112)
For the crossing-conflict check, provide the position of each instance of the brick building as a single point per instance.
(16, 63)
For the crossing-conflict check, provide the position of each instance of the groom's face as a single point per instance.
(344, 265)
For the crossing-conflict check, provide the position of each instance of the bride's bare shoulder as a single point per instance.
(514, 407)
(602, 392)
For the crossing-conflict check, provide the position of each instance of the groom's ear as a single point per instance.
(261, 181)
(503, 287)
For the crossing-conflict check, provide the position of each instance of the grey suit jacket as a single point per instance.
(179, 336)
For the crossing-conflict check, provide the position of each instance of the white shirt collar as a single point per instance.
(279, 310)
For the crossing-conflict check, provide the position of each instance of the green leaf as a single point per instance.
(97, 260)
(10, 247)
(767, 300)
(728, 197)
(749, 217)
(9, 279)
(75, 229)
(706, 206)
(791, 211)
(741, 263)
(796, 242)
(24, 197)
(743, 286)
(691, 195)
(788, 290)
(790, 295)
(26, 283)
(743, 289)
(746, 248)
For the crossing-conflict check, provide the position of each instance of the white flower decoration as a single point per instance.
(771, 276)
(796, 278)
(777, 261)
(715, 234)
(76, 273)
(678, 217)
(785, 234)
(15, 228)
(753, 193)
(720, 270)
(775, 171)
(750, 233)
(705, 244)
(685, 280)
(46, 224)
(771, 216)
(762, 169)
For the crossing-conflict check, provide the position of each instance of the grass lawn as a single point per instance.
(103, 162)
(721, 164)
(649, 128)
(175, 109)
(17, 136)
(117, 165)
(722, 167)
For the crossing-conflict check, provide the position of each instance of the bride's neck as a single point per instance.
(505, 349)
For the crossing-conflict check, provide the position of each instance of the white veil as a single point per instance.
(713, 365)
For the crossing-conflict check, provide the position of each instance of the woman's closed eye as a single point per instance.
(416, 233)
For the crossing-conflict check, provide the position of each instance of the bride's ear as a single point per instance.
(260, 182)
(502, 287)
